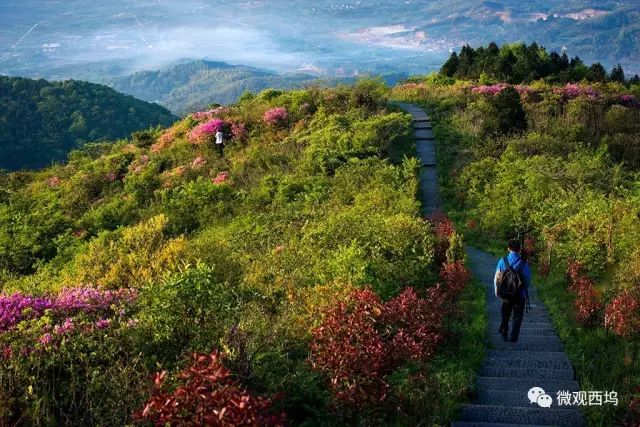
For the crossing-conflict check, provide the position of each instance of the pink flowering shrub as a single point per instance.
(33, 325)
(198, 162)
(202, 115)
(221, 178)
(490, 89)
(110, 177)
(54, 181)
(573, 90)
(276, 116)
(204, 132)
(629, 101)
(18, 307)
(239, 131)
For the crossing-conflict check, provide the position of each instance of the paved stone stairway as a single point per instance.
(426, 150)
(510, 369)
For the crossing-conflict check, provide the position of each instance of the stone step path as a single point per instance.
(426, 151)
(510, 369)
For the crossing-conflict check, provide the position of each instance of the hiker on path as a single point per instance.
(220, 142)
(511, 284)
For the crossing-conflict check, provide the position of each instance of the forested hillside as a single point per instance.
(191, 86)
(558, 165)
(41, 121)
(522, 63)
(294, 274)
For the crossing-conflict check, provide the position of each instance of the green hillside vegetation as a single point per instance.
(558, 165)
(136, 253)
(192, 86)
(41, 121)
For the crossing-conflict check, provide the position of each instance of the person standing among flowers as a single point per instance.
(220, 142)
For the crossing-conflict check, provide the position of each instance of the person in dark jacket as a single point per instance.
(514, 305)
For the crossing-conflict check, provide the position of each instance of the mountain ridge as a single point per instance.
(42, 121)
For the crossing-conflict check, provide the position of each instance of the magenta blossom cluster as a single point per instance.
(276, 116)
(629, 100)
(490, 89)
(198, 162)
(222, 177)
(572, 90)
(19, 307)
(209, 114)
(205, 131)
(91, 300)
(499, 87)
(202, 115)
(239, 131)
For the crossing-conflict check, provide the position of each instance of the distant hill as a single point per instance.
(184, 87)
(41, 121)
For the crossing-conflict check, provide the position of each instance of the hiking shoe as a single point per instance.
(505, 335)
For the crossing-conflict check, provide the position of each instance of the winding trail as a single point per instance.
(509, 369)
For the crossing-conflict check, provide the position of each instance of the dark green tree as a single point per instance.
(450, 67)
(617, 74)
(597, 73)
(510, 115)
(465, 62)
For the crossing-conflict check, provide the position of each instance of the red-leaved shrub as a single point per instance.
(622, 314)
(361, 341)
(529, 248)
(587, 304)
(207, 395)
(574, 270)
(455, 277)
(443, 228)
(351, 351)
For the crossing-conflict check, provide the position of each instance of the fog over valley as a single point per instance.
(61, 39)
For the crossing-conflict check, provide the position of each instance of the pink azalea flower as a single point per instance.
(46, 340)
(221, 178)
(276, 116)
(54, 181)
(205, 131)
(198, 162)
(239, 131)
(103, 323)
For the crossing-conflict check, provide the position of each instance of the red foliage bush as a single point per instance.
(443, 228)
(349, 349)
(455, 278)
(414, 324)
(587, 305)
(363, 340)
(622, 314)
(529, 248)
(208, 396)
(574, 270)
